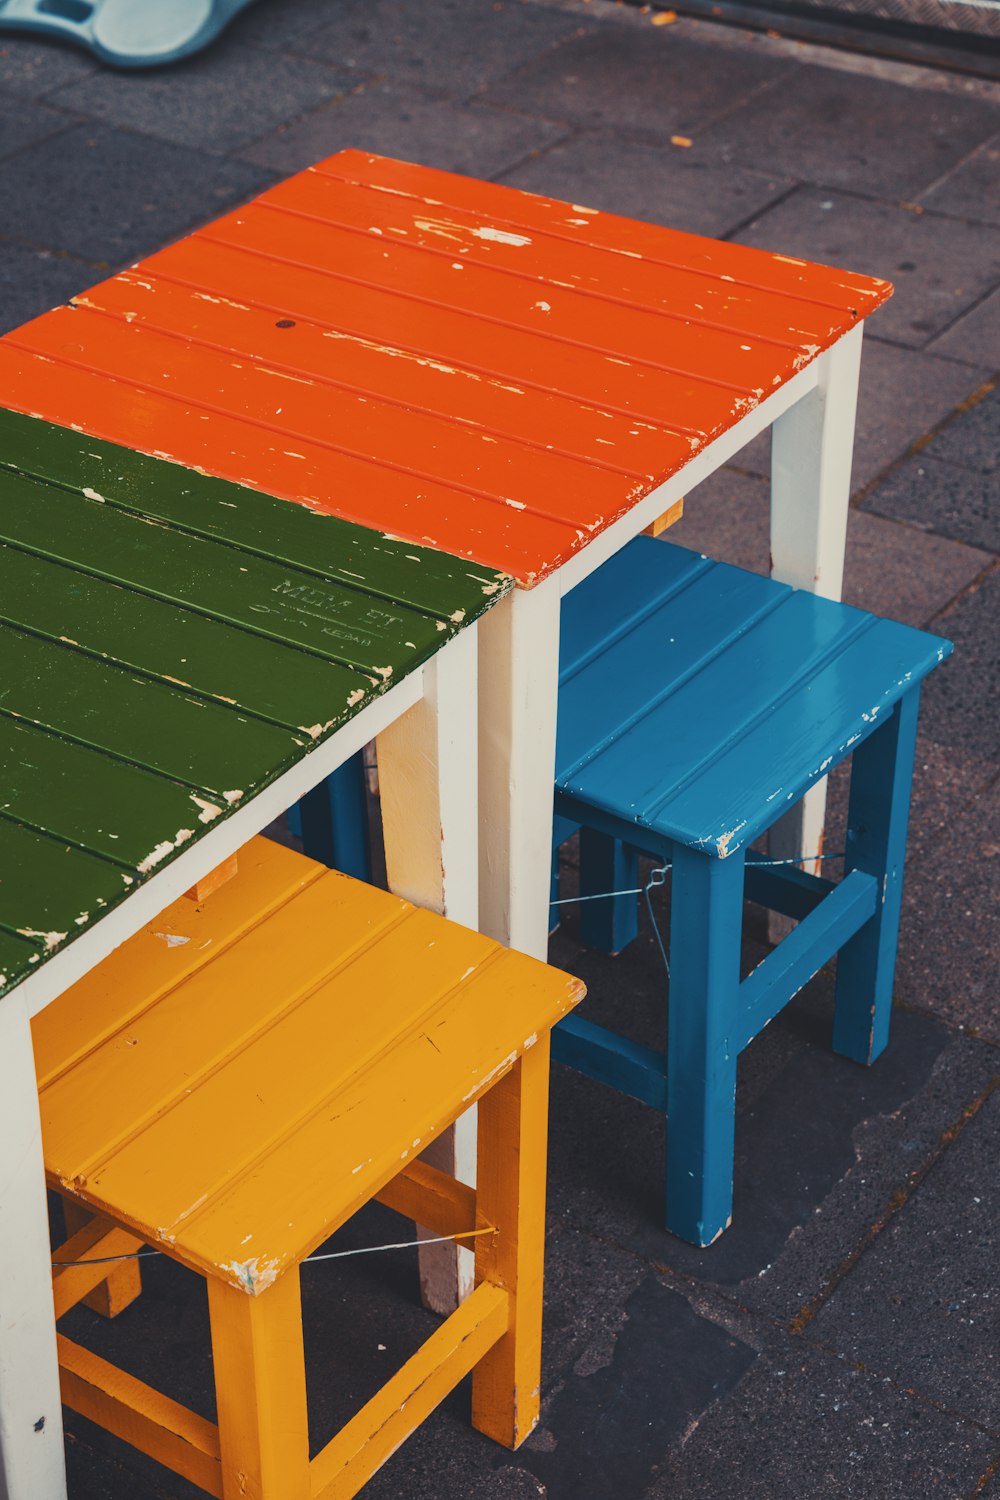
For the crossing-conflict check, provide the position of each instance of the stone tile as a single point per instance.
(218, 101)
(796, 1149)
(109, 195)
(950, 960)
(32, 281)
(34, 69)
(923, 1305)
(892, 570)
(280, 25)
(861, 133)
(394, 120)
(960, 697)
(803, 1422)
(453, 46)
(973, 438)
(673, 85)
(972, 189)
(943, 498)
(939, 266)
(24, 122)
(605, 1429)
(975, 338)
(684, 189)
(903, 394)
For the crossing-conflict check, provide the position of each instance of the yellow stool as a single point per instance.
(233, 1084)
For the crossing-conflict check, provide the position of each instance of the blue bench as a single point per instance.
(697, 703)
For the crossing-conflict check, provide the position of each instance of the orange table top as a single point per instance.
(455, 363)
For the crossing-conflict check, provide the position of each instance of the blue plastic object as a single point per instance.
(126, 33)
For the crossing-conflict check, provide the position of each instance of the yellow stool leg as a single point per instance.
(260, 1388)
(513, 1132)
(123, 1283)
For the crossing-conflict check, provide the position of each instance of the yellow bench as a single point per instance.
(237, 1080)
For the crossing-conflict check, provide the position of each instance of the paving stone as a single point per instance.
(805, 1423)
(848, 130)
(280, 25)
(903, 394)
(605, 1429)
(32, 281)
(34, 69)
(24, 122)
(674, 85)
(973, 438)
(889, 569)
(974, 338)
(109, 195)
(958, 698)
(457, 46)
(219, 101)
(683, 189)
(939, 266)
(923, 1305)
(972, 189)
(943, 498)
(396, 120)
(950, 960)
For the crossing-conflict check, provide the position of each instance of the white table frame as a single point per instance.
(427, 731)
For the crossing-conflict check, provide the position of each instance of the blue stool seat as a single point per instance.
(125, 33)
(697, 703)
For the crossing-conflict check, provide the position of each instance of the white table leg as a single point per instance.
(428, 787)
(32, 1465)
(519, 689)
(812, 447)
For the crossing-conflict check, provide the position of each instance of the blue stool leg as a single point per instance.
(878, 813)
(334, 817)
(706, 908)
(606, 864)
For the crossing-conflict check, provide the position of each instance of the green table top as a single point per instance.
(169, 644)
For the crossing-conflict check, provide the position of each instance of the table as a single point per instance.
(517, 381)
(181, 659)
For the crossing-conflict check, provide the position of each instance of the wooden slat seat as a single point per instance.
(697, 703)
(236, 1081)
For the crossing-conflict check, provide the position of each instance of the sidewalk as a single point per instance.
(843, 1338)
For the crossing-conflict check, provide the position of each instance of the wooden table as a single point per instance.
(182, 658)
(518, 381)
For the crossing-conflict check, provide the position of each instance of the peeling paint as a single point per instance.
(50, 939)
(172, 939)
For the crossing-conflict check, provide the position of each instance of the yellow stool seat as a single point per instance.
(233, 1083)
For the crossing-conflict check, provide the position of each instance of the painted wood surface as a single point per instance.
(495, 374)
(359, 1025)
(169, 645)
(759, 689)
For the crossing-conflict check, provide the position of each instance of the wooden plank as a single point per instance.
(169, 950)
(431, 1199)
(260, 1391)
(262, 597)
(17, 956)
(304, 472)
(806, 949)
(381, 355)
(107, 806)
(609, 1058)
(273, 979)
(49, 890)
(190, 650)
(91, 1245)
(670, 248)
(409, 1396)
(153, 724)
(312, 542)
(141, 1416)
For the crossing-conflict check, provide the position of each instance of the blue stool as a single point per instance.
(697, 703)
(125, 33)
